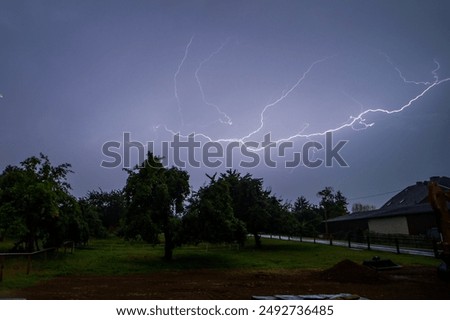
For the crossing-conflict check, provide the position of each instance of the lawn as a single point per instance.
(117, 257)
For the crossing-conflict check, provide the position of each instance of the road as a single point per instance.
(357, 245)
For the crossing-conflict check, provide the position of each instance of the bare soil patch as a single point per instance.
(345, 277)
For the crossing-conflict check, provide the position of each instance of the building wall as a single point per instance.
(392, 225)
(422, 223)
(347, 226)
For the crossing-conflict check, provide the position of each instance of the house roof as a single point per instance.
(415, 194)
(411, 200)
(386, 212)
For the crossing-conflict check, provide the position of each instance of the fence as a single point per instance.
(29, 256)
(419, 245)
(398, 241)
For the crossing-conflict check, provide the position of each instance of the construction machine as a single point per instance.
(439, 198)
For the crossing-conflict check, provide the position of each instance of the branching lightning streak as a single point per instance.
(282, 97)
(434, 72)
(405, 80)
(360, 118)
(351, 123)
(175, 86)
(202, 92)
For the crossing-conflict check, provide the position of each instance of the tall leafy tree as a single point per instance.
(103, 211)
(210, 216)
(35, 202)
(155, 197)
(282, 221)
(71, 224)
(307, 215)
(332, 204)
(250, 202)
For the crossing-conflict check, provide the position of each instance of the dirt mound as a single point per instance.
(349, 271)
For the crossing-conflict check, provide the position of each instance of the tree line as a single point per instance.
(156, 205)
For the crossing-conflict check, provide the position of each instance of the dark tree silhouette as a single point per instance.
(155, 197)
(35, 204)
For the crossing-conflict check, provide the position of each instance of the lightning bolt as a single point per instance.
(405, 80)
(434, 71)
(281, 98)
(357, 122)
(175, 84)
(359, 119)
(226, 119)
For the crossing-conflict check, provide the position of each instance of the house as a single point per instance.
(408, 213)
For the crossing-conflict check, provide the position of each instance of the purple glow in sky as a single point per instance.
(76, 74)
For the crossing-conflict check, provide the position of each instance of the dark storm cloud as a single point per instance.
(76, 74)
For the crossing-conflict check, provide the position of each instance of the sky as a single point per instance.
(77, 75)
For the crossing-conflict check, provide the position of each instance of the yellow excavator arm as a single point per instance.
(438, 199)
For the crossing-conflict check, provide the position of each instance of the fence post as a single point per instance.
(2, 260)
(349, 241)
(368, 242)
(314, 239)
(331, 239)
(435, 249)
(397, 246)
(301, 239)
(28, 264)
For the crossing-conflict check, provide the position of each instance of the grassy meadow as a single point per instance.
(117, 257)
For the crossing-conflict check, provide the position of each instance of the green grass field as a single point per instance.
(118, 257)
